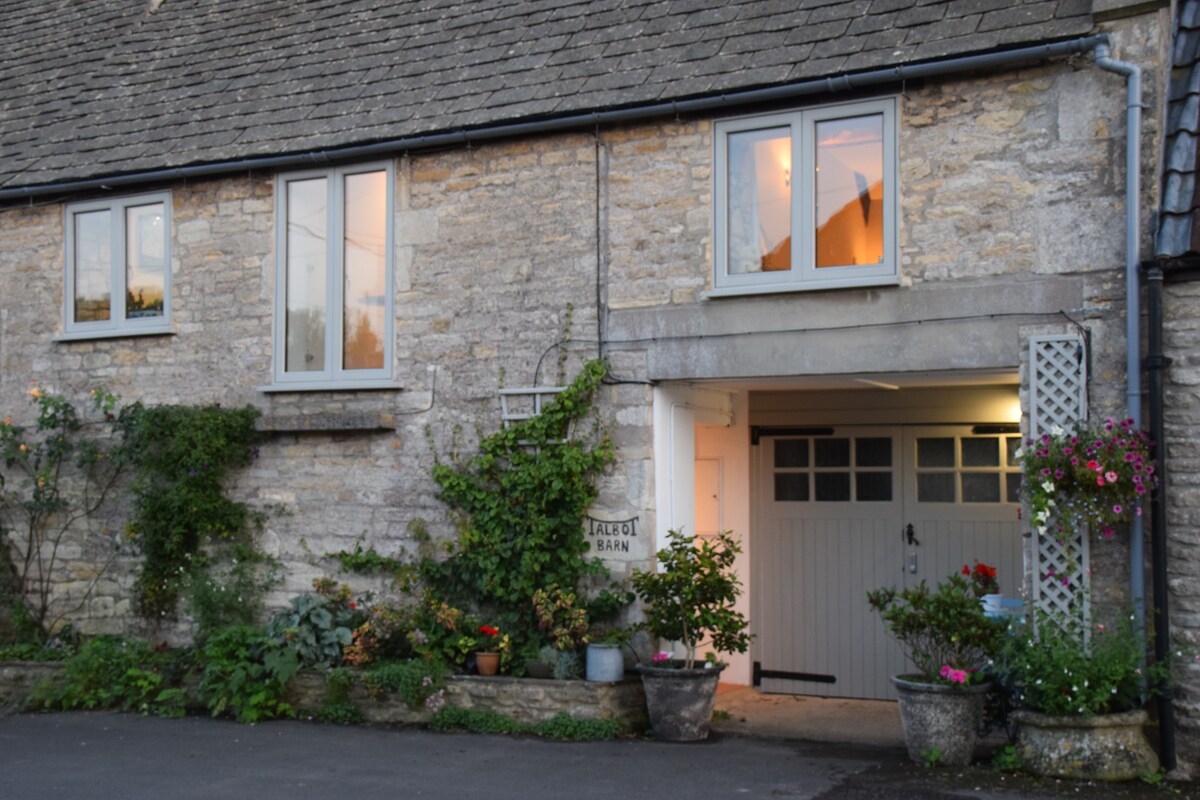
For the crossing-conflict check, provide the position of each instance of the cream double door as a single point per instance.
(840, 511)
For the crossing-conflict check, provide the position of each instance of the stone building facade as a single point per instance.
(517, 257)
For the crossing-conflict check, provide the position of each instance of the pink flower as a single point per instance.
(1093, 464)
(1110, 476)
(1117, 509)
(1099, 480)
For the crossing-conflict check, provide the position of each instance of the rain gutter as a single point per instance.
(585, 120)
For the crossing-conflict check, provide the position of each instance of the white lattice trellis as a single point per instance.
(1058, 398)
(522, 404)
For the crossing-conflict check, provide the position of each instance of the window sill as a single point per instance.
(113, 333)
(331, 386)
(330, 422)
(796, 287)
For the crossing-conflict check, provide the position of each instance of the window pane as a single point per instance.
(935, 452)
(365, 270)
(849, 191)
(760, 201)
(980, 452)
(145, 261)
(832, 486)
(873, 487)
(1012, 444)
(935, 487)
(874, 452)
(981, 487)
(791, 453)
(1013, 487)
(791, 486)
(831, 452)
(307, 216)
(93, 266)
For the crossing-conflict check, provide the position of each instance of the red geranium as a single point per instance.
(983, 578)
(488, 630)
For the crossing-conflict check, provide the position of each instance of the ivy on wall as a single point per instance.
(520, 502)
(181, 519)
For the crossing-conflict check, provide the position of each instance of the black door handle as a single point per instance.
(909, 537)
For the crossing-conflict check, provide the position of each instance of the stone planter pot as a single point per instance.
(679, 702)
(605, 662)
(1106, 747)
(940, 717)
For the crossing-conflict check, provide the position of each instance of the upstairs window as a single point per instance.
(334, 278)
(806, 199)
(118, 279)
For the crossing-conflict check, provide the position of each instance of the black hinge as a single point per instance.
(760, 673)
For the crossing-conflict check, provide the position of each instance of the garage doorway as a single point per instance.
(838, 511)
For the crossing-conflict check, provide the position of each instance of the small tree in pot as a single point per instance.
(948, 638)
(690, 600)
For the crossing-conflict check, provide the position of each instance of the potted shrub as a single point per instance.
(690, 600)
(565, 625)
(1079, 698)
(948, 638)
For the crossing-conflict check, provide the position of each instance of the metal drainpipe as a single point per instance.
(1133, 313)
(1156, 365)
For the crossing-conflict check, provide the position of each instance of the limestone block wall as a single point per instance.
(1182, 342)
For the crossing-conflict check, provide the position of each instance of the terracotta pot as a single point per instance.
(1104, 747)
(487, 663)
(679, 702)
(940, 718)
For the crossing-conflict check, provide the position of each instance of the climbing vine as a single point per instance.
(187, 530)
(521, 502)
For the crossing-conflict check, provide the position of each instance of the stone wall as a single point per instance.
(1181, 337)
(526, 700)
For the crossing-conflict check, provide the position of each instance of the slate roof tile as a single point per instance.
(213, 80)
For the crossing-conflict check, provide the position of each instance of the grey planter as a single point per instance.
(940, 718)
(679, 702)
(605, 662)
(1105, 747)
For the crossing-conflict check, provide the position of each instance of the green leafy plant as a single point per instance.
(521, 502)
(111, 672)
(564, 664)
(337, 708)
(318, 625)
(183, 456)
(559, 618)
(562, 726)
(1053, 668)
(245, 674)
(369, 561)
(931, 757)
(55, 474)
(944, 631)
(384, 634)
(691, 598)
(1007, 759)
(416, 681)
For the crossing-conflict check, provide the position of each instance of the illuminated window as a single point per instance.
(334, 303)
(806, 200)
(118, 267)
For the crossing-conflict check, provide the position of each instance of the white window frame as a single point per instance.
(116, 325)
(333, 377)
(804, 274)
